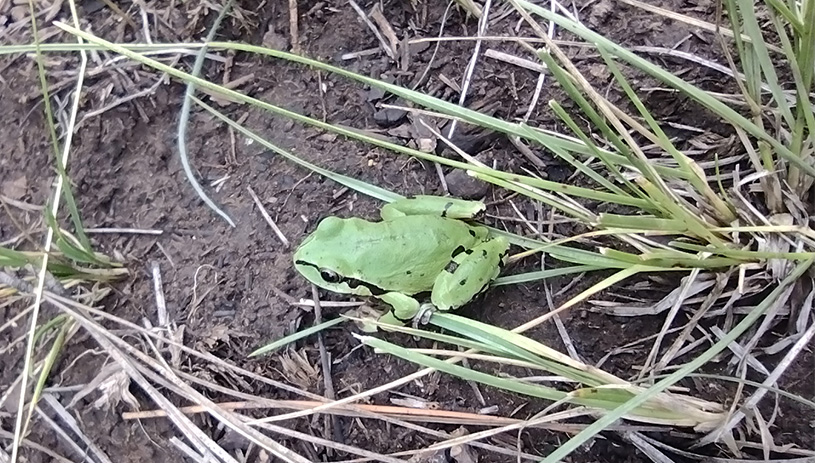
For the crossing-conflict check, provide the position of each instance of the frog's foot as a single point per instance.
(423, 315)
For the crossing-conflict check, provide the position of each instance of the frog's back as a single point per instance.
(411, 251)
(404, 254)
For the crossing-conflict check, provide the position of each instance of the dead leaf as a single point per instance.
(114, 384)
(298, 370)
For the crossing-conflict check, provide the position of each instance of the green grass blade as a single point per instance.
(439, 337)
(598, 401)
(462, 372)
(788, 16)
(517, 346)
(744, 256)
(576, 96)
(562, 253)
(542, 275)
(599, 154)
(695, 225)
(47, 366)
(656, 224)
(801, 64)
(586, 170)
(664, 260)
(753, 30)
(531, 181)
(67, 192)
(433, 103)
(696, 176)
(51, 324)
(273, 346)
(15, 259)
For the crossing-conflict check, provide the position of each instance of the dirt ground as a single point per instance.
(230, 287)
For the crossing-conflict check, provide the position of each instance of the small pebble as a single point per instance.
(389, 117)
(19, 12)
(465, 186)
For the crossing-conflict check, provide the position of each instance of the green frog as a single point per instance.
(423, 244)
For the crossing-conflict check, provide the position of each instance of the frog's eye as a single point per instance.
(329, 276)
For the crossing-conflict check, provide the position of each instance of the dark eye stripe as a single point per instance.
(352, 283)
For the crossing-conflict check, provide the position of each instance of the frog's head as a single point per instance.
(321, 258)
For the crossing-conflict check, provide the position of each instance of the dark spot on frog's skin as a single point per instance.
(484, 253)
(472, 233)
(457, 251)
(446, 207)
(451, 267)
(463, 282)
(468, 251)
(408, 273)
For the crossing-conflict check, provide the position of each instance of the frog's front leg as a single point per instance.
(452, 208)
(404, 308)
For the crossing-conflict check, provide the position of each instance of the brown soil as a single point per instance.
(225, 284)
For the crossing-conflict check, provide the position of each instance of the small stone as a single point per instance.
(18, 13)
(388, 117)
(470, 142)
(418, 47)
(465, 186)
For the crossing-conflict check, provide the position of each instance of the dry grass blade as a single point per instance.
(69, 420)
(666, 325)
(161, 379)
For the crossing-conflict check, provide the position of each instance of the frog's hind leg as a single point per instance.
(440, 206)
(468, 274)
